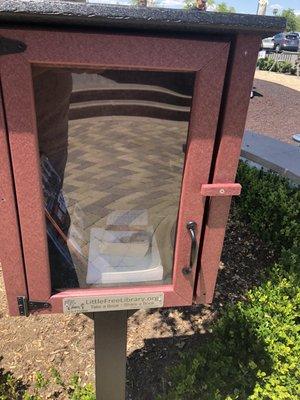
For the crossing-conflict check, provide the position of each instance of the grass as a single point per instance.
(13, 389)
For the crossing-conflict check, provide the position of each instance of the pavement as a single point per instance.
(121, 164)
(290, 81)
(273, 155)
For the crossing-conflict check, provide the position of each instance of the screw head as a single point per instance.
(191, 225)
(186, 270)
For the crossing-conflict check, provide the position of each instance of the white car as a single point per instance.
(268, 43)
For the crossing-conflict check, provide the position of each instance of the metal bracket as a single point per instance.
(220, 189)
(11, 46)
(26, 306)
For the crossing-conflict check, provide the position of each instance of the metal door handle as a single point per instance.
(191, 226)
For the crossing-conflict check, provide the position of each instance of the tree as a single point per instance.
(142, 3)
(262, 7)
(291, 19)
(193, 3)
(145, 3)
(224, 8)
(298, 23)
(189, 4)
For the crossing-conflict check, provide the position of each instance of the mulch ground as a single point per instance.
(274, 111)
(157, 337)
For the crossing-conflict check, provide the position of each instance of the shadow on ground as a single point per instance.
(238, 373)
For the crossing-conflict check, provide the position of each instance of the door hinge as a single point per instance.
(11, 46)
(27, 306)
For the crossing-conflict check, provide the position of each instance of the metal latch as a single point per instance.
(220, 189)
(26, 306)
(11, 46)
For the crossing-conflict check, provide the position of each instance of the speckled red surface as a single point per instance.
(230, 134)
(137, 51)
(11, 260)
(166, 53)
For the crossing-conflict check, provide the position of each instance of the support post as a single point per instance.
(110, 354)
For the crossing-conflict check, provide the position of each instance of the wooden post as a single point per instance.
(110, 354)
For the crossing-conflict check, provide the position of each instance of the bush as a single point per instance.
(267, 64)
(254, 350)
(270, 206)
(253, 353)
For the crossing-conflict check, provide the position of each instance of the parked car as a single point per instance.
(267, 43)
(286, 41)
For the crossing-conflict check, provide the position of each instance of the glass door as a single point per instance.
(112, 149)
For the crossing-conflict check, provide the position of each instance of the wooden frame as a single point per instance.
(207, 56)
(240, 74)
(10, 242)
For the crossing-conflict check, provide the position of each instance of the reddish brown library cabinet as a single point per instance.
(120, 135)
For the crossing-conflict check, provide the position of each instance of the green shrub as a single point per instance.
(270, 206)
(267, 64)
(284, 67)
(254, 350)
(293, 70)
(253, 353)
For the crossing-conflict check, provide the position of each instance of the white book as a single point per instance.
(123, 257)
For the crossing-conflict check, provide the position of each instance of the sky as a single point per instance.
(242, 6)
(250, 6)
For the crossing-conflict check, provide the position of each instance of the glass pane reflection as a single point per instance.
(112, 155)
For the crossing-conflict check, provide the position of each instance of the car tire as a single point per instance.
(277, 48)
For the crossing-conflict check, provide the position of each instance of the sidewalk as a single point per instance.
(290, 81)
